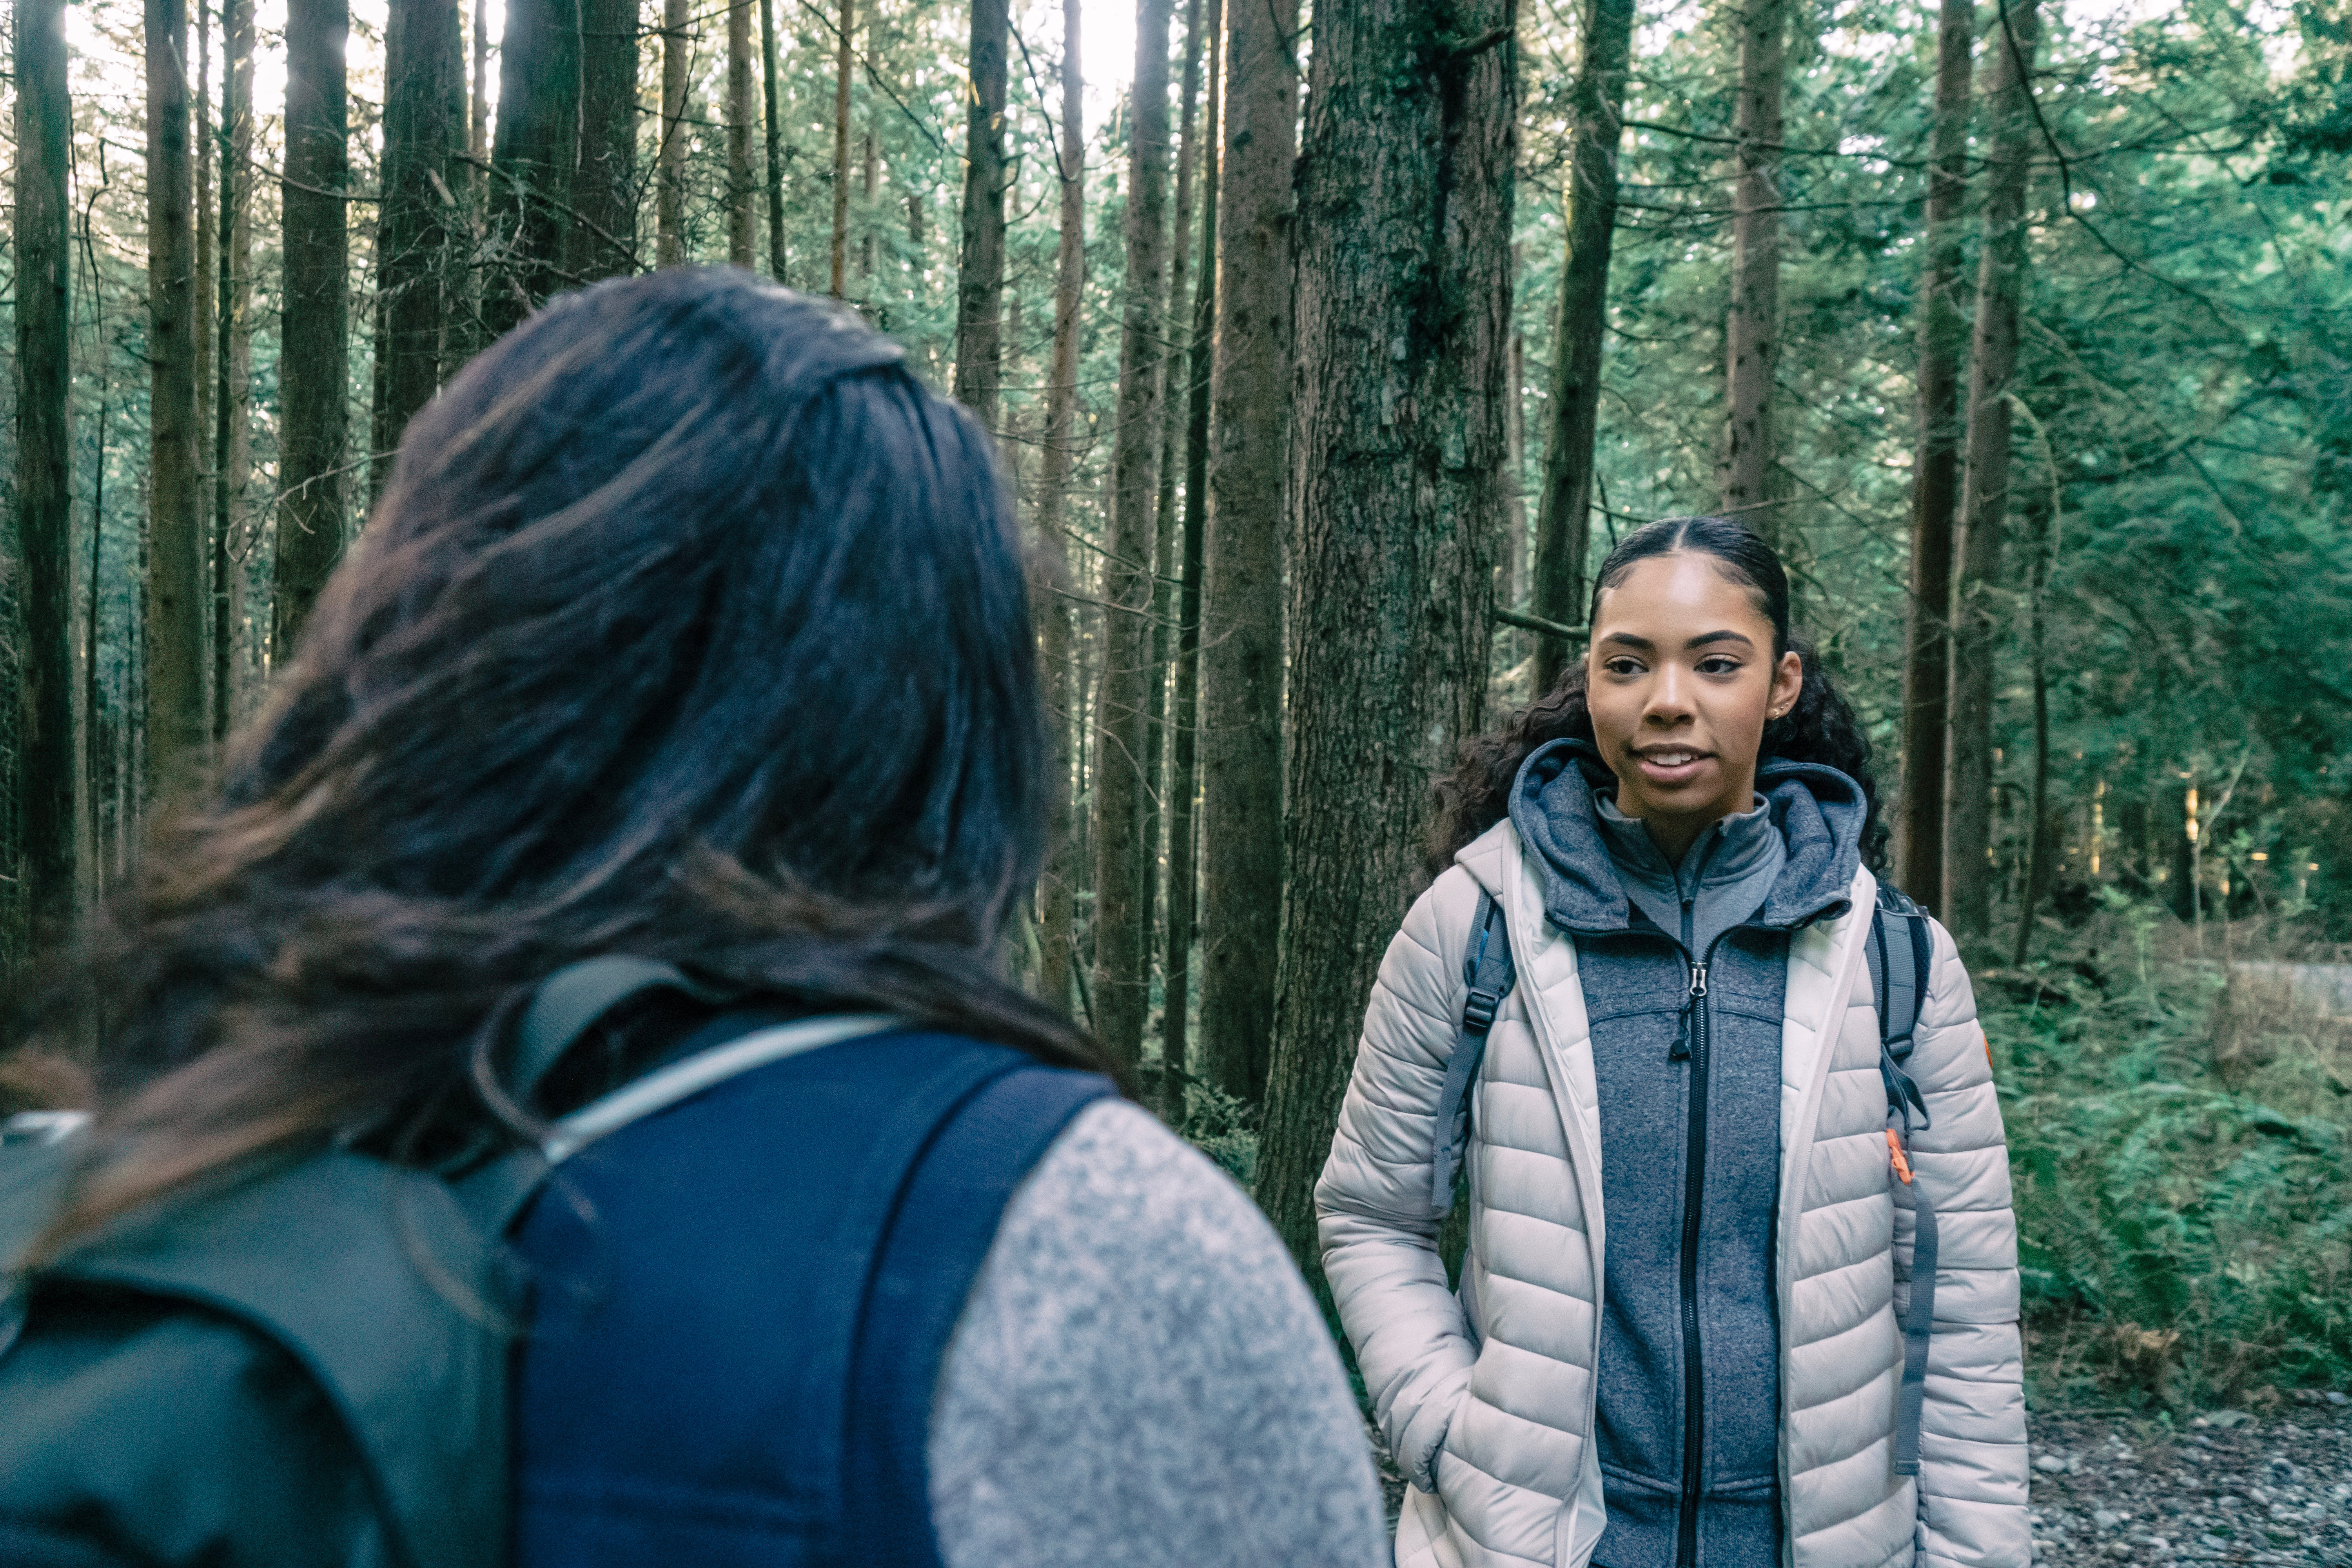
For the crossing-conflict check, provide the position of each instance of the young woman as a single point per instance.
(691, 629)
(1677, 1342)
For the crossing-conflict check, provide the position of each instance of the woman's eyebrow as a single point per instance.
(1706, 638)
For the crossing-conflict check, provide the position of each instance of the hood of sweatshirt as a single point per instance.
(1819, 814)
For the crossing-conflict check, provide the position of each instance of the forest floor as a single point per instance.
(2226, 1488)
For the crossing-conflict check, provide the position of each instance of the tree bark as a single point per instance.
(1564, 514)
(870, 160)
(314, 331)
(478, 113)
(1049, 585)
(45, 737)
(176, 726)
(1165, 545)
(537, 147)
(424, 132)
(1936, 471)
(846, 61)
(1513, 587)
(669, 200)
(1751, 483)
(1241, 631)
(1404, 312)
(1984, 502)
(979, 273)
(604, 227)
(774, 126)
(202, 325)
(742, 190)
(1122, 975)
(233, 369)
(2042, 838)
(1184, 703)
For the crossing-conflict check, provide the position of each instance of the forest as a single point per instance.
(1327, 349)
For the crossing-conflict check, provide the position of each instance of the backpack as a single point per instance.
(338, 1405)
(1899, 949)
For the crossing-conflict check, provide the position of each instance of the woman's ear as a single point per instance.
(1788, 680)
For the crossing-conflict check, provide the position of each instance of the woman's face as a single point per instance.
(1680, 679)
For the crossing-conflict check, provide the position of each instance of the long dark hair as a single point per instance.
(1821, 728)
(691, 625)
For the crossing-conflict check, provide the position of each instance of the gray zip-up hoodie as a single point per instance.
(1683, 969)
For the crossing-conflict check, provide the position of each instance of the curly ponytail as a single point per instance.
(1821, 728)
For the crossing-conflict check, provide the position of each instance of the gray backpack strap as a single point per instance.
(1918, 1324)
(1486, 967)
(571, 1001)
(1899, 949)
(568, 1003)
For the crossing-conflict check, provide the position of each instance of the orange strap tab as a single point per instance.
(1894, 1148)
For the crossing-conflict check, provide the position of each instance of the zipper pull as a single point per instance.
(1681, 1051)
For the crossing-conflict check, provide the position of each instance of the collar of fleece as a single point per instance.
(1820, 813)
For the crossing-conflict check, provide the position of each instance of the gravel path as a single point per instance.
(2225, 1488)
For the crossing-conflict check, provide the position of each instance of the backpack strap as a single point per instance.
(572, 1001)
(1487, 969)
(1900, 948)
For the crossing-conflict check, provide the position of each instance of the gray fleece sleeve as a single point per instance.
(1139, 1377)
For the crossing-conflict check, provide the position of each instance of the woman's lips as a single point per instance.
(1666, 766)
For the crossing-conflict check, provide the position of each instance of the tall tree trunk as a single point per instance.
(1564, 514)
(1984, 500)
(1122, 975)
(45, 739)
(980, 272)
(843, 66)
(537, 148)
(1165, 546)
(1514, 587)
(1750, 482)
(477, 110)
(1049, 587)
(775, 125)
(233, 369)
(314, 331)
(176, 730)
(2042, 835)
(742, 191)
(1404, 321)
(201, 326)
(424, 131)
(1184, 705)
(669, 199)
(1241, 632)
(1936, 472)
(870, 158)
(604, 183)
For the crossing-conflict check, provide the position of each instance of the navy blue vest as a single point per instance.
(741, 1305)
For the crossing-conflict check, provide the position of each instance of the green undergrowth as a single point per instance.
(2177, 1129)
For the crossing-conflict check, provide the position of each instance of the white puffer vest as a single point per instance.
(1487, 1397)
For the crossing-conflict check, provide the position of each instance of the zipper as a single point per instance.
(1691, 1045)
(1694, 1191)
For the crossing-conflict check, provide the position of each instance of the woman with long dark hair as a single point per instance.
(651, 792)
(1721, 1307)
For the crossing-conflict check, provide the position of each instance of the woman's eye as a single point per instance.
(1623, 667)
(1718, 666)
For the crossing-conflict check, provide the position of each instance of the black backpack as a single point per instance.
(1900, 948)
(208, 1383)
